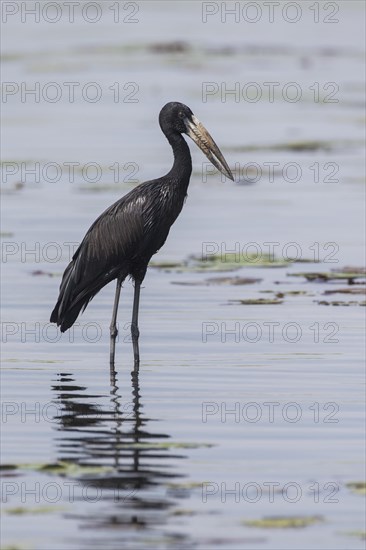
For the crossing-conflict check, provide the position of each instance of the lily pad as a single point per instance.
(187, 485)
(189, 283)
(352, 269)
(101, 187)
(22, 510)
(39, 272)
(166, 265)
(176, 46)
(61, 468)
(340, 303)
(353, 290)
(258, 301)
(291, 293)
(182, 512)
(283, 522)
(171, 445)
(232, 281)
(358, 487)
(231, 261)
(330, 276)
(300, 146)
(359, 534)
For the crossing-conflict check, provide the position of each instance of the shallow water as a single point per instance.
(238, 412)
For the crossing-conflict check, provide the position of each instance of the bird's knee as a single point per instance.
(135, 333)
(113, 331)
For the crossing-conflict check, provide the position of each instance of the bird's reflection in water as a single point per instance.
(115, 454)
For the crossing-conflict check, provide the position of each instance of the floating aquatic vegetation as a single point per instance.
(14, 186)
(45, 361)
(62, 468)
(331, 276)
(170, 445)
(352, 269)
(185, 485)
(104, 187)
(11, 56)
(182, 490)
(352, 290)
(182, 512)
(301, 146)
(359, 534)
(233, 281)
(177, 46)
(290, 293)
(340, 303)
(219, 262)
(358, 487)
(189, 283)
(39, 272)
(166, 265)
(8, 467)
(231, 261)
(258, 301)
(22, 510)
(283, 522)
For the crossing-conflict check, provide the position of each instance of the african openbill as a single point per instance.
(122, 240)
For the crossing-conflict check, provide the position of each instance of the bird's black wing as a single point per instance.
(120, 242)
(105, 253)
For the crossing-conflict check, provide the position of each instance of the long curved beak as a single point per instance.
(199, 134)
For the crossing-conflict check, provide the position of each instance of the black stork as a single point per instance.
(122, 240)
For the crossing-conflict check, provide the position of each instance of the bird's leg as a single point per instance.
(113, 326)
(135, 333)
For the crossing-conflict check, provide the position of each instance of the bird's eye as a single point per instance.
(181, 114)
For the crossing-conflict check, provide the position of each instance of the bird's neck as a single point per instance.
(182, 167)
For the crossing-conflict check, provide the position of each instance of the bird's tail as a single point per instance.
(66, 319)
(74, 297)
(66, 309)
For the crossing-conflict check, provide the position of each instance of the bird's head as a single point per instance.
(177, 117)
